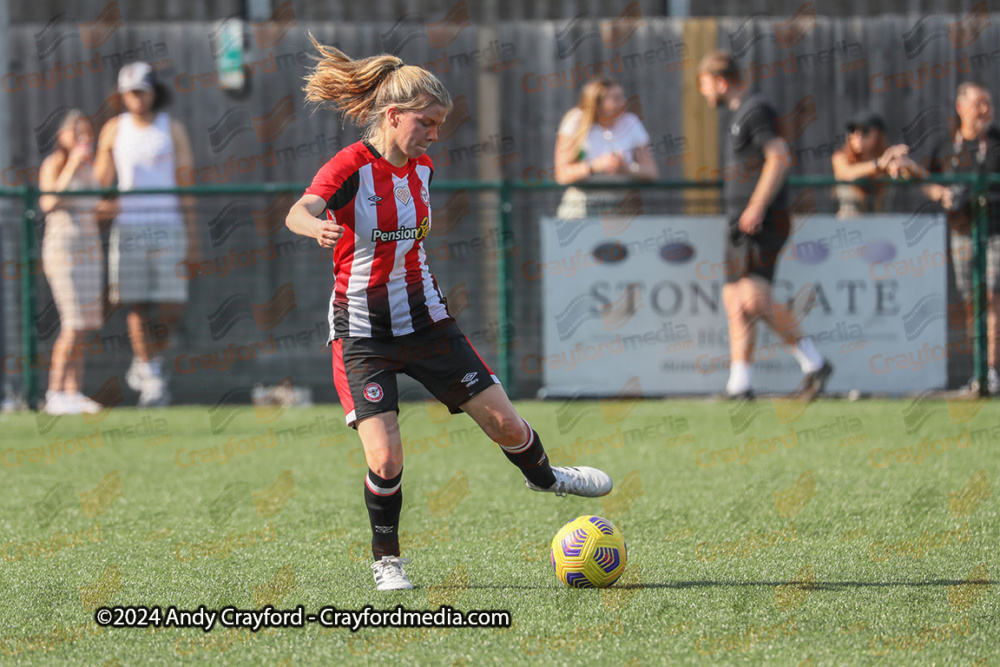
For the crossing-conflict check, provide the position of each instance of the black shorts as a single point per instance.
(439, 357)
(756, 255)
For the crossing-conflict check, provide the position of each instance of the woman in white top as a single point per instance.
(145, 148)
(599, 141)
(72, 259)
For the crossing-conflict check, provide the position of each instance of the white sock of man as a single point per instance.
(740, 377)
(809, 358)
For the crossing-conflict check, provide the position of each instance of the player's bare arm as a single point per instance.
(302, 219)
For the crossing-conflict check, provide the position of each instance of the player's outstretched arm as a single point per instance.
(302, 220)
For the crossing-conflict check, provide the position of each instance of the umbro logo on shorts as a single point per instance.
(373, 392)
(470, 379)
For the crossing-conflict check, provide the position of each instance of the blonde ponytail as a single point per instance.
(363, 89)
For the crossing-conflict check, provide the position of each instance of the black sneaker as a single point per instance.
(747, 395)
(814, 383)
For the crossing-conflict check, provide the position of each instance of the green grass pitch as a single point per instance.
(843, 533)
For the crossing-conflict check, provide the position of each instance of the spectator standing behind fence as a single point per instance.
(145, 148)
(599, 141)
(759, 226)
(974, 148)
(866, 154)
(72, 259)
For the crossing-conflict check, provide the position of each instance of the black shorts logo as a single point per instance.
(373, 392)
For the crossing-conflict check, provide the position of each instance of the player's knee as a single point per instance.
(385, 464)
(509, 430)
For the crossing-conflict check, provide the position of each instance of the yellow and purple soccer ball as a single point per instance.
(589, 552)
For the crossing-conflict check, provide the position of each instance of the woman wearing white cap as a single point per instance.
(145, 148)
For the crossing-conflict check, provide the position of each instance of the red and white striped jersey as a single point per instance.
(382, 286)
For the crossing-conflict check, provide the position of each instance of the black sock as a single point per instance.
(531, 459)
(384, 498)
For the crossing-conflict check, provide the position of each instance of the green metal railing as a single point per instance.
(506, 190)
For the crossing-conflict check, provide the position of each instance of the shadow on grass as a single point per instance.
(805, 585)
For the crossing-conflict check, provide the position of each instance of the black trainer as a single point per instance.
(813, 384)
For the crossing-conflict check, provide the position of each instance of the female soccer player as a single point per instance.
(387, 314)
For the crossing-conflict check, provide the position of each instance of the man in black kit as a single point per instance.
(755, 201)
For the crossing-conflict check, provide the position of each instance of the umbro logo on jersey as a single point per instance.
(402, 194)
(375, 200)
(403, 233)
(470, 379)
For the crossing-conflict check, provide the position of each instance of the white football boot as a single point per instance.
(579, 481)
(389, 574)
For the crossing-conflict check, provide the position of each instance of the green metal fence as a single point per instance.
(506, 194)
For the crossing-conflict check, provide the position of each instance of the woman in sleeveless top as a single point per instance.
(145, 148)
(72, 260)
(866, 154)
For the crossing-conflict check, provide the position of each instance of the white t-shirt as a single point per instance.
(624, 136)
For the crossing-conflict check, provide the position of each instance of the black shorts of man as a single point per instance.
(759, 226)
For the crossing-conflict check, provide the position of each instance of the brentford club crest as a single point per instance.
(424, 197)
(373, 392)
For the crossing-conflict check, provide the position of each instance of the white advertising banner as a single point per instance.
(634, 305)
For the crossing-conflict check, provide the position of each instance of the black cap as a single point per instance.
(865, 119)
